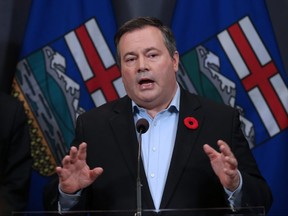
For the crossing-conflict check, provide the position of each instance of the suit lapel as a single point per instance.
(185, 140)
(123, 127)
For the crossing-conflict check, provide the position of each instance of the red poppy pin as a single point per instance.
(191, 123)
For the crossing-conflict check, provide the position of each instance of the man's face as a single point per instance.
(148, 71)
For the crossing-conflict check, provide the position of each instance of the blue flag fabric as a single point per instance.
(228, 53)
(66, 67)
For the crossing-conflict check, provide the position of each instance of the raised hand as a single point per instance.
(75, 174)
(224, 164)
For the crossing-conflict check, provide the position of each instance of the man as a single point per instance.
(15, 156)
(181, 165)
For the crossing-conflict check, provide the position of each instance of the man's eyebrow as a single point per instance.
(145, 50)
(151, 48)
(129, 53)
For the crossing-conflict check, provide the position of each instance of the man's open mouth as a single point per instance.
(145, 81)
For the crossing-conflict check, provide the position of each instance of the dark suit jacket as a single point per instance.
(15, 157)
(191, 183)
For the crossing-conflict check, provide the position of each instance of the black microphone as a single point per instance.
(142, 126)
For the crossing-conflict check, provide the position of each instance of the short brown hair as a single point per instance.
(141, 22)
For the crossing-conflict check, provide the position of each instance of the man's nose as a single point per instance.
(142, 64)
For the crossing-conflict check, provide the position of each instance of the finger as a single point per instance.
(224, 148)
(59, 172)
(73, 154)
(232, 173)
(210, 152)
(66, 162)
(82, 151)
(231, 162)
(230, 159)
(229, 172)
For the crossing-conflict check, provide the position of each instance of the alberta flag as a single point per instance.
(228, 53)
(66, 67)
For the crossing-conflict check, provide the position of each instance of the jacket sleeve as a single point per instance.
(255, 190)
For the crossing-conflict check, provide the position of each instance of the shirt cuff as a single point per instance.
(234, 197)
(67, 201)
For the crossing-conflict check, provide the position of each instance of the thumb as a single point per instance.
(96, 172)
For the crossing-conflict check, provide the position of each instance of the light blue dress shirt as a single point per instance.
(157, 148)
(157, 145)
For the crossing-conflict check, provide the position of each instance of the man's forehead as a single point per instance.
(142, 39)
(143, 30)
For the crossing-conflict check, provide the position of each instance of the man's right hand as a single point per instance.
(75, 173)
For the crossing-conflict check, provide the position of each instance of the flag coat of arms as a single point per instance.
(66, 67)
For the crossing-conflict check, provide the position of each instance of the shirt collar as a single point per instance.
(173, 106)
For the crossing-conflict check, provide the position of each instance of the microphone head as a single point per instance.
(142, 125)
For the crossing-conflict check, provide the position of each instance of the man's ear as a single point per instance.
(176, 61)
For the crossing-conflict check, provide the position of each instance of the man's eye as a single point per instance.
(130, 59)
(152, 55)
